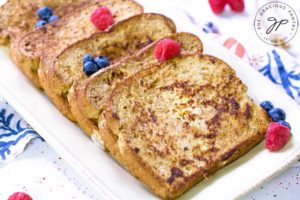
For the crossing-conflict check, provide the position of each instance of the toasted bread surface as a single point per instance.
(123, 39)
(91, 97)
(48, 41)
(180, 121)
(19, 16)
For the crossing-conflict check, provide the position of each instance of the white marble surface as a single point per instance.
(44, 175)
(41, 172)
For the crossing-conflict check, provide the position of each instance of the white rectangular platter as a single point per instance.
(109, 179)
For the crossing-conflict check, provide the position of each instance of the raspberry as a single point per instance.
(236, 5)
(277, 136)
(217, 6)
(102, 18)
(166, 49)
(19, 196)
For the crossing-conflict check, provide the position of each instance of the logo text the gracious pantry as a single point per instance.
(276, 23)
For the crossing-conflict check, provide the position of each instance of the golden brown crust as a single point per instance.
(88, 126)
(110, 140)
(158, 134)
(56, 99)
(66, 68)
(4, 41)
(24, 64)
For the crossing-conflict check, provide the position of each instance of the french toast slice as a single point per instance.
(90, 99)
(122, 39)
(52, 39)
(18, 17)
(180, 121)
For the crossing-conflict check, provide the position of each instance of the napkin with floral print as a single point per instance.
(15, 133)
(277, 64)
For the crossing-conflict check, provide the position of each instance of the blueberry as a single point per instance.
(101, 61)
(40, 23)
(284, 123)
(267, 105)
(45, 12)
(209, 24)
(53, 18)
(209, 27)
(87, 57)
(206, 30)
(89, 68)
(277, 114)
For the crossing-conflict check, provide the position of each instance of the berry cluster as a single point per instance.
(277, 114)
(46, 16)
(92, 65)
(278, 132)
(218, 6)
(102, 18)
(166, 49)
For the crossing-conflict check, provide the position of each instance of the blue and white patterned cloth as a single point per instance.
(283, 70)
(15, 133)
(280, 66)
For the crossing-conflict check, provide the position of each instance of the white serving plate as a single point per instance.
(109, 179)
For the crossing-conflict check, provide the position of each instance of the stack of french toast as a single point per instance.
(168, 113)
